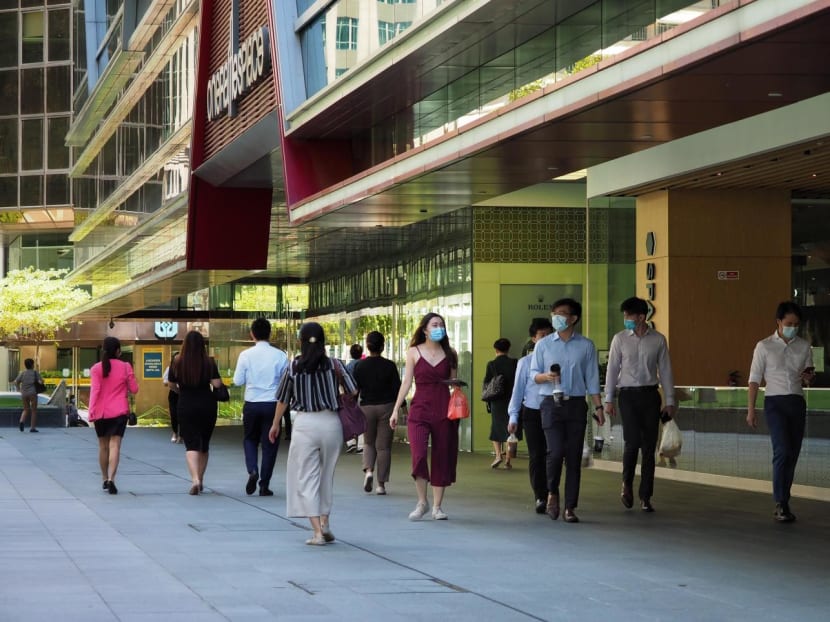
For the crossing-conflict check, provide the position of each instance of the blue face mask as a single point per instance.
(437, 334)
(630, 324)
(560, 322)
(789, 331)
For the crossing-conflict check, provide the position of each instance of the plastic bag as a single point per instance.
(459, 408)
(672, 441)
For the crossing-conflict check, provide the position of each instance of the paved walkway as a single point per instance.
(68, 551)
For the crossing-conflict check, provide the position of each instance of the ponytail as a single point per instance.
(109, 351)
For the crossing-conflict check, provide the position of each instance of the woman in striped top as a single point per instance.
(310, 387)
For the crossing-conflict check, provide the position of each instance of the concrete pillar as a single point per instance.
(714, 264)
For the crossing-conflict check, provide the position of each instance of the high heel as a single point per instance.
(111, 487)
(495, 464)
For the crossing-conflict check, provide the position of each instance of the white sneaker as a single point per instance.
(438, 513)
(174, 438)
(419, 511)
(380, 490)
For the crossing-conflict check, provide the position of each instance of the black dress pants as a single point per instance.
(537, 449)
(564, 426)
(640, 412)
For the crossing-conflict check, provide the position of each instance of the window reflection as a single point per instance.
(32, 37)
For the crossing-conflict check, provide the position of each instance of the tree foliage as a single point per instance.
(34, 304)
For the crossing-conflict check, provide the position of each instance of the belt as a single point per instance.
(651, 387)
(561, 397)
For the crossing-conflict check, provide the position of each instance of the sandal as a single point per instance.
(317, 540)
(496, 463)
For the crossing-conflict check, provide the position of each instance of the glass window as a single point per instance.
(57, 190)
(31, 144)
(58, 153)
(28, 3)
(31, 190)
(8, 4)
(59, 35)
(31, 91)
(346, 33)
(8, 92)
(58, 89)
(8, 193)
(33, 37)
(8, 146)
(8, 32)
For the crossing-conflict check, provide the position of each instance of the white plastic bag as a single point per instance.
(587, 458)
(672, 440)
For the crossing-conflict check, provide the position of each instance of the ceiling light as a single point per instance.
(774, 94)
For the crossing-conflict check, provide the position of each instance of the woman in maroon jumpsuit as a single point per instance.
(432, 363)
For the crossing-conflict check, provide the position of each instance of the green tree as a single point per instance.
(35, 304)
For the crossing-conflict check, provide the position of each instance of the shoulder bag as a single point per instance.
(494, 389)
(351, 416)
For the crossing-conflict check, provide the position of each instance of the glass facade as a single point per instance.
(35, 104)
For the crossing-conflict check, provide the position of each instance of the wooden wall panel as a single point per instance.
(260, 100)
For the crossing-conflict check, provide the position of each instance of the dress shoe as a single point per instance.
(645, 505)
(570, 517)
(264, 491)
(21, 426)
(626, 496)
(111, 488)
(368, 480)
(250, 487)
(194, 490)
(552, 508)
(33, 430)
(419, 511)
(106, 485)
(328, 536)
(540, 506)
(782, 513)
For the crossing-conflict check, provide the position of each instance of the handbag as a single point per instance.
(494, 389)
(132, 419)
(351, 416)
(221, 393)
(39, 387)
(458, 407)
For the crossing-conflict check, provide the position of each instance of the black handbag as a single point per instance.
(40, 387)
(132, 419)
(221, 393)
(494, 389)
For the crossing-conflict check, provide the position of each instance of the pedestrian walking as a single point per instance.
(172, 402)
(784, 362)
(505, 366)
(26, 382)
(110, 382)
(259, 369)
(310, 387)
(433, 365)
(378, 381)
(196, 375)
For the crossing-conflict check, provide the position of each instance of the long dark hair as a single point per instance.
(192, 361)
(312, 349)
(418, 337)
(109, 351)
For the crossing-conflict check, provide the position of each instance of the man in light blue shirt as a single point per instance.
(525, 401)
(260, 368)
(566, 361)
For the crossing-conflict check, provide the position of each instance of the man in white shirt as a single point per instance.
(785, 362)
(260, 368)
(637, 360)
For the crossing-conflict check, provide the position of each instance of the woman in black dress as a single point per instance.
(505, 366)
(195, 375)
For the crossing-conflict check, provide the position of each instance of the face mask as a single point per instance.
(789, 331)
(437, 334)
(630, 324)
(560, 322)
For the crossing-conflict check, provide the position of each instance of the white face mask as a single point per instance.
(560, 322)
(789, 331)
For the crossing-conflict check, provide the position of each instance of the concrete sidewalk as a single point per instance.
(72, 552)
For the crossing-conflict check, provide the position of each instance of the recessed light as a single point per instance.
(646, 137)
(553, 168)
(774, 94)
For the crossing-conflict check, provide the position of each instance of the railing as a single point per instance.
(717, 440)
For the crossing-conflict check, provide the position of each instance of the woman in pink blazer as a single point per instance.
(109, 409)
